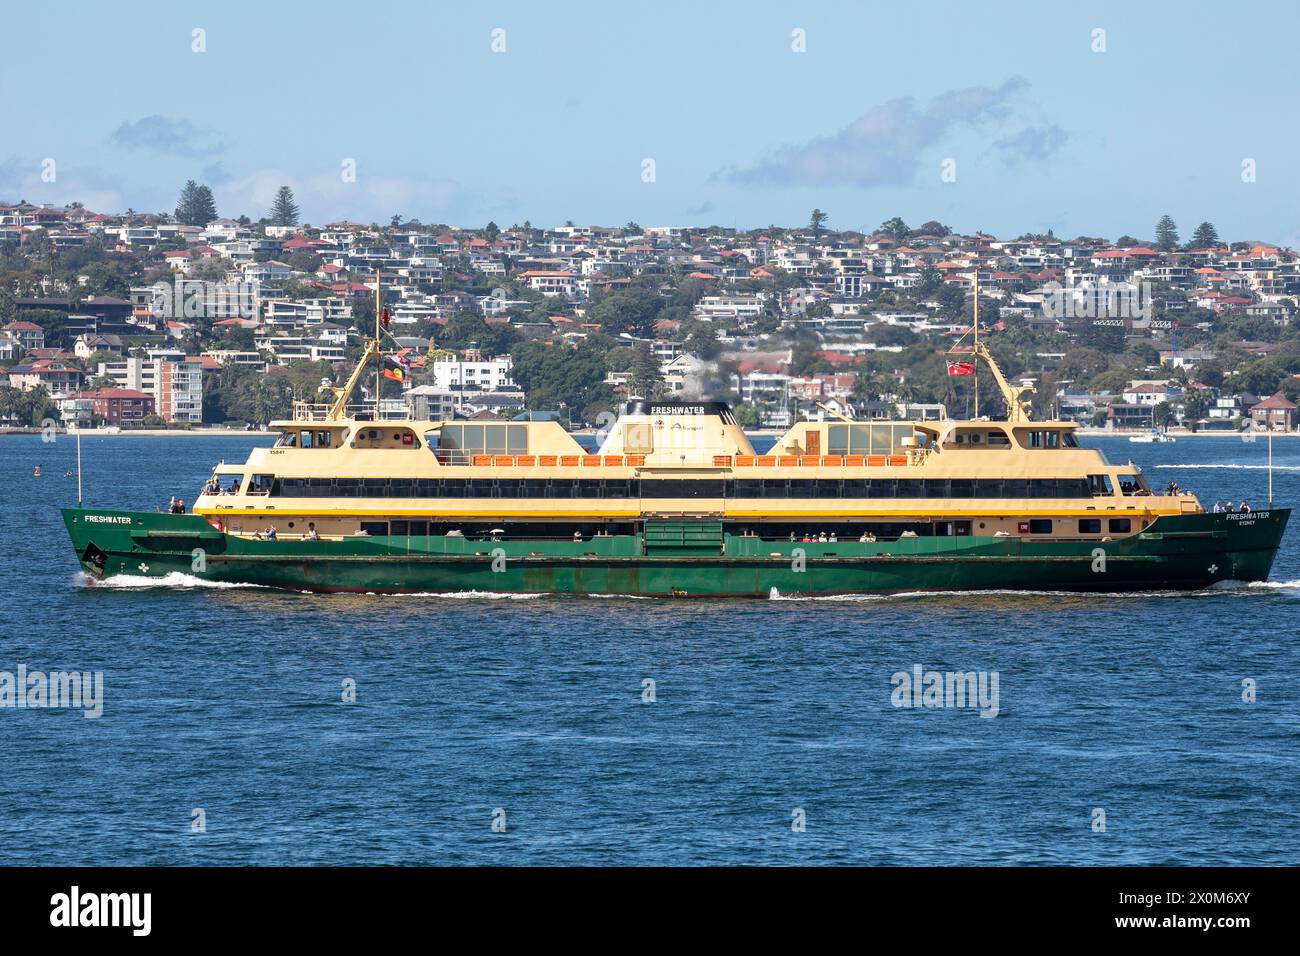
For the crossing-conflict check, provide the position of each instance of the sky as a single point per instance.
(1086, 119)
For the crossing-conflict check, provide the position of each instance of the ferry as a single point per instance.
(676, 502)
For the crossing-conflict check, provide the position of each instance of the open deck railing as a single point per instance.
(319, 412)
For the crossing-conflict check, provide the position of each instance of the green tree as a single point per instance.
(196, 207)
(1166, 234)
(633, 310)
(1205, 237)
(284, 211)
(817, 223)
(895, 229)
(1162, 415)
(647, 373)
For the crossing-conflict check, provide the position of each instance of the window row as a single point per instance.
(683, 488)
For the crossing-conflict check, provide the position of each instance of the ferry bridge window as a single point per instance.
(288, 440)
(306, 440)
(1045, 439)
(999, 440)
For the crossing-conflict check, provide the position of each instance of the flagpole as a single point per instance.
(977, 335)
(379, 362)
(78, 466)
(1270, 464)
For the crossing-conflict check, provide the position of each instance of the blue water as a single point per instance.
(229, 700)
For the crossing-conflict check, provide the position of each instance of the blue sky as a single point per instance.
(1042, 131)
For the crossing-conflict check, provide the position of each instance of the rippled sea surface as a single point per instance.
(529, 711)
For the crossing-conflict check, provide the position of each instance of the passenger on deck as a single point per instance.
(1217, 509)
(833, 538)
(311, 532)
(270, 534)
(1245, 506)
(867, 536)
(1229, 508)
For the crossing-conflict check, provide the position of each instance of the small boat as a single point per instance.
(1156, 437)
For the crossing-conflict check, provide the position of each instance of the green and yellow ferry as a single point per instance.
(677, 503)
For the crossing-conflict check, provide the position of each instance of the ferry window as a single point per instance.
(401, 487)
(322, 439)
(999, 440)
(747, 488)
(479, 488)
(426, 487)
(556, 488)
(293, 487)
(961, 488)
(508, 487)
(262, 484)
(288, 440)
(826, 488)
(347, 487)
(857, 488)
(1040, 526)
(800, 488)
(867, 439)
(618, 489)
(681, 488)
(909, 488)
(1120, 525)
(413, 528)
(1100, 485)
(374, 488)
(1089, 526)
(374, 527)
(306, 440)
(1070, 440)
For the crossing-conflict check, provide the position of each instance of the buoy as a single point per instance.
(36, 472)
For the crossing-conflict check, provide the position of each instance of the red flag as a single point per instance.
(383, 318)
(961, 368)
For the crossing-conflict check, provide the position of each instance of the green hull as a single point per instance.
(685, 559)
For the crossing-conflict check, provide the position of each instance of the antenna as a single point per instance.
(78, 467)
(976, 375)
(379, 362)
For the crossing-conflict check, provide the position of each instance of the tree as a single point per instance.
(895, 229)
(633, 310)
(1166, 234)
(284, 211)
(196, 207)
(491, 231)
(1162, 414)
(1126, 242)
(1205, 237)
(817, 222)
(647, 374)
(932, 228)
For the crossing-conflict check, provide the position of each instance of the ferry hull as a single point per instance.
(1175, 552)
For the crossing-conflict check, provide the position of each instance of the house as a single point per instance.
(28, 335)
(1277, 413)
(89, 343)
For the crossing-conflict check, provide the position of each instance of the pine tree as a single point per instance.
(647, 374)
(1166, 234)
(284, 211)
(816, 222)
(196, 207)
(1205, 236)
